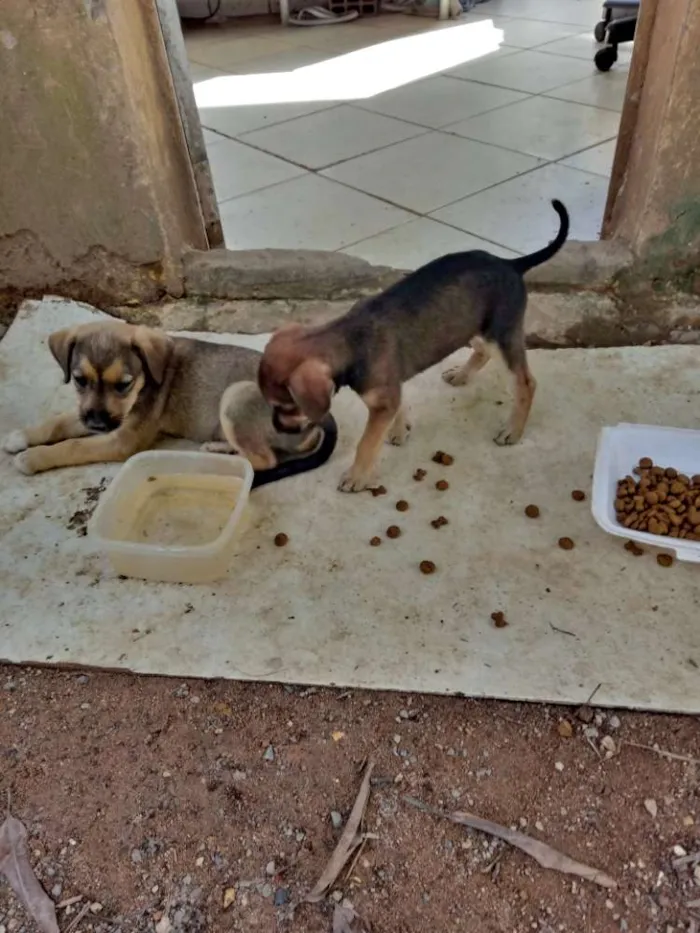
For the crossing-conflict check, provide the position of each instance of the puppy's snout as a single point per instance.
(99, 421)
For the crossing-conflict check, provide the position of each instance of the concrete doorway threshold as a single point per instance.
(330, 609)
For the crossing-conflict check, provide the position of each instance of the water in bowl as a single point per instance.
(179, 510)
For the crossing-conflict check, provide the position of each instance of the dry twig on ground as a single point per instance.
(540, 851)
(15, 866)
(348, 842)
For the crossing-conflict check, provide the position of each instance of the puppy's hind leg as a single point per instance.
(461, 375)
(514, 354)
(244, 433)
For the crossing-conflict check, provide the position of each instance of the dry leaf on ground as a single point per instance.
(540, 851)
(15, 866)
(345, 920)
(348, 842)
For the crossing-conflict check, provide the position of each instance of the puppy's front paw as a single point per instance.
(457, 376)
(15, 442)
(399, 434)
(351, 482)
(26, 463)
(506, 437)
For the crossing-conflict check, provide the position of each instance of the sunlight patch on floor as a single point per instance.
(356, 75)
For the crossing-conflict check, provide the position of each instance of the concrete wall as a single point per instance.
(97, 196)
(654, 200)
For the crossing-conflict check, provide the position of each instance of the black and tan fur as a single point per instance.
(138, 384)
(472, 298)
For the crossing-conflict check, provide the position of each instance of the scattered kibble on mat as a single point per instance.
(499, 619)
(427, 566)
(634, 548)
(578, 495)
(664, 560)
(281, 539)
(420, 475)
(402, 506)
(375, 541)
(442, 485)
(566, 544)
(532, 511)
(378, 491)
(660, 501)
(441, 457)
(439, 521)
(393, 531)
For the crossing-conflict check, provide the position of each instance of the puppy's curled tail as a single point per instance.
(293, 465)
(523, 263)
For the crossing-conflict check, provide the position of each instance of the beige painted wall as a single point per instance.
(97, 197)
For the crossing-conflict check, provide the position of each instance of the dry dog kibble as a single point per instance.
(566, 544)
(393, 531)
(532, 511)
(660, 501)
(442, 485)
(441, 457)
(375, 541)
(499, 619)
(578, 495)
(378, 491)
(427, 566)
(664, 560)
(634, 548)
(420, 475)
(281, 539)
(402, 506)
(439, 521)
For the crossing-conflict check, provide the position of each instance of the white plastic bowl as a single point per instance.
(620, 449)
(173, 515)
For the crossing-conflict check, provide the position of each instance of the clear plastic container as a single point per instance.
(173, 515)
(620, 449)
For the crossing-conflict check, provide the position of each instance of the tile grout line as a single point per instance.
(441, 207)
(323, 168)
(417, 214)
(544, 93)
(432, 220)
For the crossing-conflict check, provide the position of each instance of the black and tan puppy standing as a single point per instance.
(137, 384)
(472, 298)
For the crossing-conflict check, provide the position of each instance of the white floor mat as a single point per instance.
(330, 609)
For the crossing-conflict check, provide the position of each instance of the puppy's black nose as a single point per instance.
(99, 421)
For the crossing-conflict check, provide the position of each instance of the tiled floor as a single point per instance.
(397, 138)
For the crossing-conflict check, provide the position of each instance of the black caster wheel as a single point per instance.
(605, 58)
(599, 31)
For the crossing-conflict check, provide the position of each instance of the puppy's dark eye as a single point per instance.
(80, 380)
(123, 387)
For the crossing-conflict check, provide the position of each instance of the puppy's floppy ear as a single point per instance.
(312, 388)
(62, 344)
(154, 347)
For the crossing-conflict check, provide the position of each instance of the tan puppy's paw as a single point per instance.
(456, 376)
(351, 482)
(15, 442)
(26, 462)
(399, 433)
(506, 437)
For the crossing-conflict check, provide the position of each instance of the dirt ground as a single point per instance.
(150, 801)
